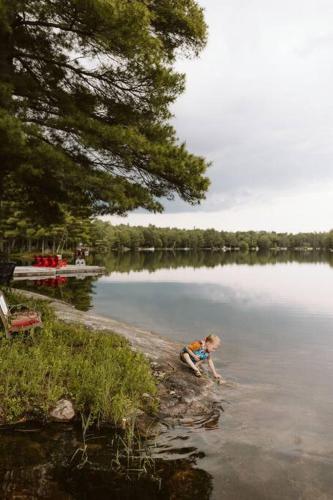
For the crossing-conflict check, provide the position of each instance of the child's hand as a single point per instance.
(197, 358)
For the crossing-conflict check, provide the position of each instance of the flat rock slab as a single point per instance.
(183, 397)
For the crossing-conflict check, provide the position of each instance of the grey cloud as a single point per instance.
(322, 41)
(255, 105)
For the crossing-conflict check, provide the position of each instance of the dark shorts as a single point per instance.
(181, 356)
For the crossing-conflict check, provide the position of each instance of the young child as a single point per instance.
(199, 351)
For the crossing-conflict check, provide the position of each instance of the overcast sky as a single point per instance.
(259, 105)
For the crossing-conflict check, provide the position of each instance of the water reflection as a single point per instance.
(275, 438)
(75, 291)
(36, 463)
(249, 286)
(79, 291)
(152, 261)
(276, 317)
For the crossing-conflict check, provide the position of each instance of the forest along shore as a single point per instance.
(182, 397)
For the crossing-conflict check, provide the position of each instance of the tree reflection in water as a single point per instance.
(152, 261)
(79, 291)
(75, 291)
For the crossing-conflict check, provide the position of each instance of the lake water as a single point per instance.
(275, 317)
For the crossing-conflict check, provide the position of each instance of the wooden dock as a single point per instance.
(31, 272)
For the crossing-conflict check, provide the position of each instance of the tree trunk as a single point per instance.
(6, 73)
(7, 28)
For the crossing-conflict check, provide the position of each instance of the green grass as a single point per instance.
(97, 371)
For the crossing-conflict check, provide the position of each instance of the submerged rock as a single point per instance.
(63, 411)
(147, 426)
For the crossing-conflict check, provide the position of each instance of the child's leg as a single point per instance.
(188, 360)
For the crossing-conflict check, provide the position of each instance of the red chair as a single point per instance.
(45, 262)
(61, 262)
(18, 319)
(38, 261)
(49, 261)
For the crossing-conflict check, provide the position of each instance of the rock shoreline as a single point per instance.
(183, 398)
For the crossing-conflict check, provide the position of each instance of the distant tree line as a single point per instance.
(124, 236)
(19, 234)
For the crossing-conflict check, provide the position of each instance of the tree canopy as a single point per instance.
(85, 94)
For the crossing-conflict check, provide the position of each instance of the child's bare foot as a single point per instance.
(197, 372)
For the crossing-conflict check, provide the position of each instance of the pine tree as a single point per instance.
(85, 92)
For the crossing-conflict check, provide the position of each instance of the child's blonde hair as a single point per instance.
(213, 339)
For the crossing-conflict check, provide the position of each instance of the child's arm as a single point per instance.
(191, 353)
(212, 367)
(193, 347)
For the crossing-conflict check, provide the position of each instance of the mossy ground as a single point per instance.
(97, 371)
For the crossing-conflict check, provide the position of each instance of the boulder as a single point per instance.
(63, 411)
